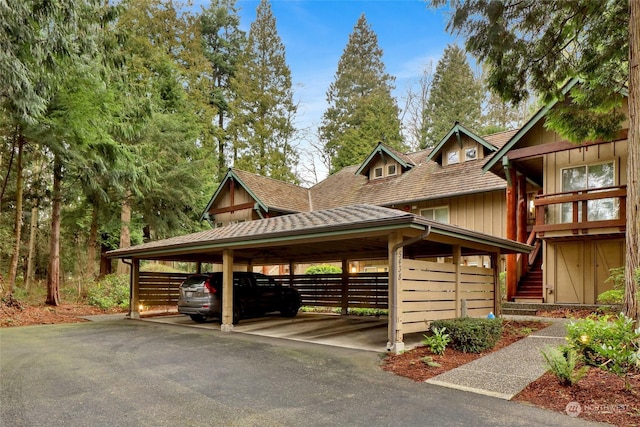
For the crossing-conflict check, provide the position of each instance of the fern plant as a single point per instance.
(563, 363)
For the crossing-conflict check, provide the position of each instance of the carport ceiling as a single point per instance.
(352, 232)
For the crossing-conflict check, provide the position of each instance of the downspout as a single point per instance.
(394, 263)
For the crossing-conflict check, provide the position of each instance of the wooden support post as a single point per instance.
(227, 291)
(292, 270)
(134, 305)
(250, 266)
(199, 267)
(497, 291)
(522, 219)
(395, 341)
(345, 287)
(511, 232)
(457, 258)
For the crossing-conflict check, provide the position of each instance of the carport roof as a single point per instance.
(355, 232)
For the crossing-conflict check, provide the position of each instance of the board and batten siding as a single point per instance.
(482, 212)
(240, 197)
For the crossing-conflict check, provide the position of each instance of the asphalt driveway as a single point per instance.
(133, 373)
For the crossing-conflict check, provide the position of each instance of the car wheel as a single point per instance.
(198, 318)
(290, 308)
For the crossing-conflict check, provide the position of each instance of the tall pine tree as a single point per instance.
(455, 96)
(223, 41)
(263, 107)
(361, 110)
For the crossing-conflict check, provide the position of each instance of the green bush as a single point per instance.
(563, 363)
(471, 335)
(112, 291)
(437, 342)
(323, 269)
(615, 296)
(611, 343)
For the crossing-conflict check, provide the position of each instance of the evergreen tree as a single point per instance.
(361, 110)
(263, 107)
(544, 43)
(455, 96)
(223, 41)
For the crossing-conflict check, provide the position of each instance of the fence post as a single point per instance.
(345, 287)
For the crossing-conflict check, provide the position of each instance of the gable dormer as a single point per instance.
(460, 145)
(385, 162)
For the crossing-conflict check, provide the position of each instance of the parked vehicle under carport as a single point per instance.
(254, 294)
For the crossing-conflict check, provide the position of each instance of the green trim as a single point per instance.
(527, 127)
(231, 175)
(381, 148)
(457, 129)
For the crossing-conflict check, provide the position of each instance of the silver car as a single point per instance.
(254, 295)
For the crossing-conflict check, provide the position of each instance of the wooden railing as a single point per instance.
(549, 210)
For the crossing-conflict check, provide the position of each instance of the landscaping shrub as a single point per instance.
(471, 335)
(437, 342)
(563, 363)
(110, 292)
(323, 269)
(611, 343)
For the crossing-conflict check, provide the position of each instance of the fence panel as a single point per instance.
(159, 288)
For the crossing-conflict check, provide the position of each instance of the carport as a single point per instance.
(419, 289)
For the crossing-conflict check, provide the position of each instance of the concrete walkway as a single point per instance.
(506, 372)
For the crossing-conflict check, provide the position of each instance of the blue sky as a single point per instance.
(315, 33)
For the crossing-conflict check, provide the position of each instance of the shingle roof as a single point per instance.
(276, 194)
(304, 222)
(501, 138)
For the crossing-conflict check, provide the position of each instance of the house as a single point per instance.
(527, 185)
(569, 201)
(445, 184)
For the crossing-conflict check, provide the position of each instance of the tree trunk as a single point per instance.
(32, 247)
(15, 256)
(53, 276)
(125, 232)
(6, 177)
(105, 263)
(92, 244)
(631, 306)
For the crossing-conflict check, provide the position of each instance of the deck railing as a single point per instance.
(583, 210)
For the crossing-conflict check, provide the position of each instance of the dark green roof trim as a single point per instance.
(231, 175)
(457, 129)
(383, 149)
(527, 127)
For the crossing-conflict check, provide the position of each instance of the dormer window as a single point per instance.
(453, 157)
(471, 153)
(392, 170)
(377, 173)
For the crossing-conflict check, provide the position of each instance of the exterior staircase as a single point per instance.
(530, 285)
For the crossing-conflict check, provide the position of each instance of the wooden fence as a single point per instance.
(159, 288)
(429, 292)
(364, 290)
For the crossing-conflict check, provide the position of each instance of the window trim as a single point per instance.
(375, 173)
(395, 170)
(466, 150)
(457, 160)
(587, 165)
(434, 208)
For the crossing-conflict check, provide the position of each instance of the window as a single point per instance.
(440, 214)
(471, 153)
(453, 157)
(377, 173)
(391, 170)
(587, 177)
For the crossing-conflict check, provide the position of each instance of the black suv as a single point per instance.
(254, 294)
